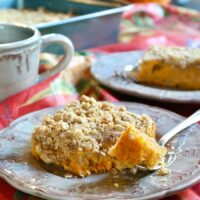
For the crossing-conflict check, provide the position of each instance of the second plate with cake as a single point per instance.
(110, 71)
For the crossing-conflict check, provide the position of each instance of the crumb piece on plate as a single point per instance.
(116, 185)
(163, 171)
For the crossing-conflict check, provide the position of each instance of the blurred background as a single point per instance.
(194, 4)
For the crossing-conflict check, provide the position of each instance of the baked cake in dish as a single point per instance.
(174, 67)
(31, 17)
(88, 136)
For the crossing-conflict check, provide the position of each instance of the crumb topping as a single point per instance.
(176, 56)
(88, 124)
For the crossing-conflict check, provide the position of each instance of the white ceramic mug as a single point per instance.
(20, 47)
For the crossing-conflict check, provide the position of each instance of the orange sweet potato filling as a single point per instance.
(136, 148)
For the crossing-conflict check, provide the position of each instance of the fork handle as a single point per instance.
(195, 117)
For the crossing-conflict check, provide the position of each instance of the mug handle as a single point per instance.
(68, 53)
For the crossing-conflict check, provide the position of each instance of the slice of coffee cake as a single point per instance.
(174, 67)
(80, 136)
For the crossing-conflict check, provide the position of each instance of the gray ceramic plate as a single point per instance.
(105, 68)
(22, 171)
